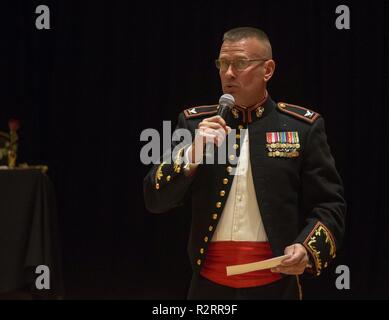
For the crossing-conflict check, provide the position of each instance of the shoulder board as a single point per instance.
(298, 112)
(200, 111)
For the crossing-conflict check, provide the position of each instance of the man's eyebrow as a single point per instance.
(239, 55)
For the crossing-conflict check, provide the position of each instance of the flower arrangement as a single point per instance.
(9, 145)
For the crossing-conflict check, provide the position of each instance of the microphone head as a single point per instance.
(227, 100)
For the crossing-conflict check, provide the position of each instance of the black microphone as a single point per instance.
(226, 102)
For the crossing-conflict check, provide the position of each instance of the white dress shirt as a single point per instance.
(241, 219)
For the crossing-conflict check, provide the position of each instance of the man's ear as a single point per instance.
(270, 66)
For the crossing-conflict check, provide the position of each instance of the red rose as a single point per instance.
(14, 125)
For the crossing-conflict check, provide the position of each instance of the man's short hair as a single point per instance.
(241, 33)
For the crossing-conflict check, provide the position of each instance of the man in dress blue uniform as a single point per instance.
(285, 198)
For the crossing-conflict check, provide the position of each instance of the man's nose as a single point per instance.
(230, 73)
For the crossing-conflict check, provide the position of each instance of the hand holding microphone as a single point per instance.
(212, 130)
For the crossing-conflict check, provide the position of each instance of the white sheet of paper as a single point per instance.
(255, 266)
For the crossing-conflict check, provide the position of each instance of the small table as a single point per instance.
(28, 232)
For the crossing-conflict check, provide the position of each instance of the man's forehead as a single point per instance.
(241, 47)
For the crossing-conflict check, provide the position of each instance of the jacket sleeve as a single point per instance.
(166, 185)
(322, 200)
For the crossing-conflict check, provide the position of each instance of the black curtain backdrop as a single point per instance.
(107, 70)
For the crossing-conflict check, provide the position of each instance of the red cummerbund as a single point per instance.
(221, 254)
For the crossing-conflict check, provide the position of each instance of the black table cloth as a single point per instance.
(28, 231)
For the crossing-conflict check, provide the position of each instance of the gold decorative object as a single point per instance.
(9, 150)
(9, 143)
(12, 159)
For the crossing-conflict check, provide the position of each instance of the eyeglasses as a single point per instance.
(239, 64)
